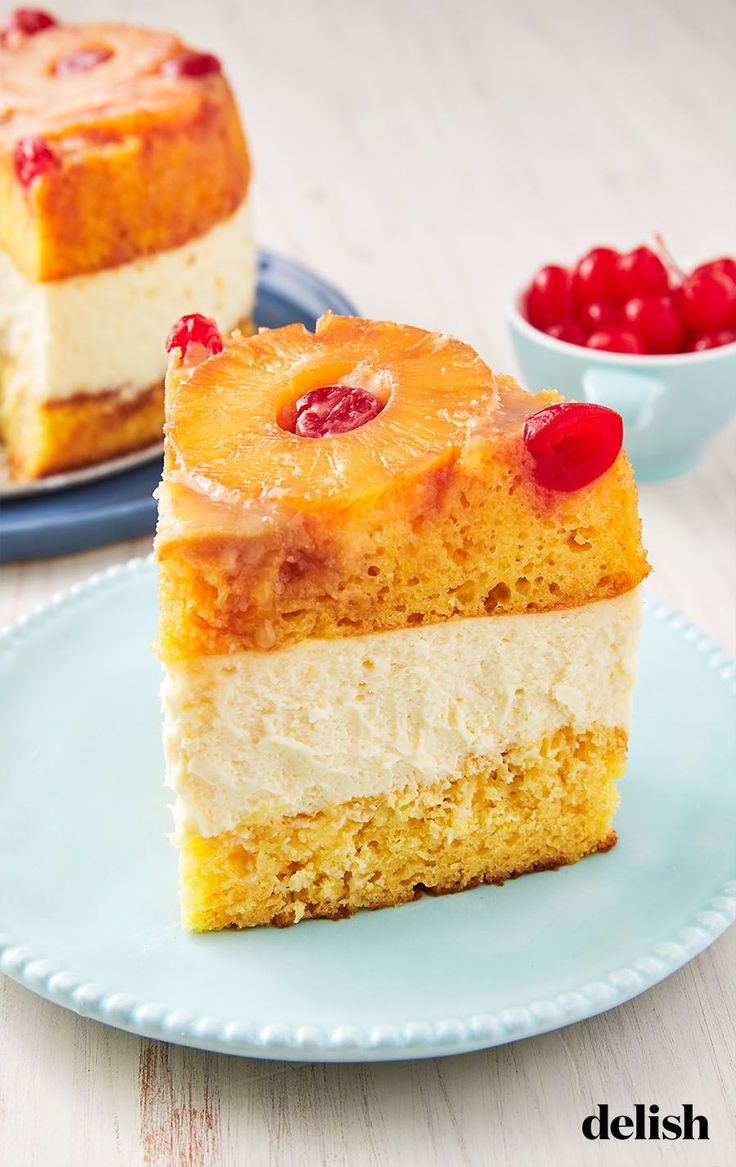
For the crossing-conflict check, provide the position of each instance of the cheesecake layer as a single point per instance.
(534, 807)
(261, 734)
(105, 332)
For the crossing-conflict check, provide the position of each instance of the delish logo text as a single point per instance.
(647, 1123)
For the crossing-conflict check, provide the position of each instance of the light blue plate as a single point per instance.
(88, 897)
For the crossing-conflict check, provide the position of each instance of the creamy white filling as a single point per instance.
(94, 333)
(324, 721)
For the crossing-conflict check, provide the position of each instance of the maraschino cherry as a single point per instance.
(656, 322)
(598, 314)
(334, 409)
(725, 264)
(194, 329)
(708, 340)
(191, 64)
(572, 443)
(707, 300)
(549, 298)
(640, 302)
(570, 332)
(593, 276)
(615, 340)
(26, 22)
(33, 157)
(640, 273)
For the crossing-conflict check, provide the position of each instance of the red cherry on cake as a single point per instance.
(27, 22)
(191, 65)
(656, 322)
(194, 329)
(33, 157)
(334, 409)
(707, 300)
(81, 61)
(572, 443)
(593, 276)
(598, 315)
(548, 298)
(570, 332)
(616, 340)
(640, 273)
(708, 340)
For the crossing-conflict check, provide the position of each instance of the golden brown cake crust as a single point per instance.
(539, 807)
(459, 529)
(147, 162)
(481, 545)
(553, 863)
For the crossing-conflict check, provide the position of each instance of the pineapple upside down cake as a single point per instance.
(399, 613)
(124, 180)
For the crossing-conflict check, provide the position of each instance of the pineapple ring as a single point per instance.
(106, 98)
(232, 414)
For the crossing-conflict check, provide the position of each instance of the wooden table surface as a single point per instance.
(426, 155)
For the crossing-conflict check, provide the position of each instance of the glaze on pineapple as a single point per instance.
(266, 538)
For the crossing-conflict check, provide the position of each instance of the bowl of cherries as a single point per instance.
(633, 331)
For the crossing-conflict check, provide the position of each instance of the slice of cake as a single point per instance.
(124, 181)
(399, 613)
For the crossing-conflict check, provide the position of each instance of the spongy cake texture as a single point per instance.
(427, 515)
(457, 528)
(538, 807)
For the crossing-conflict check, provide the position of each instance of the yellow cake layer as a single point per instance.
(489, 546)
(537, 806)
(429, 512)
(50, 437)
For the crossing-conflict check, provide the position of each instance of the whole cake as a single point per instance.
(124, 182)
(399, 613)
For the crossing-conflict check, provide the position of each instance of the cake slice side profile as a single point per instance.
(124, 183)
(399, 618)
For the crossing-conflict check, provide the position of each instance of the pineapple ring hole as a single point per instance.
(334, 409)
(377, 385)
(82, 60)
